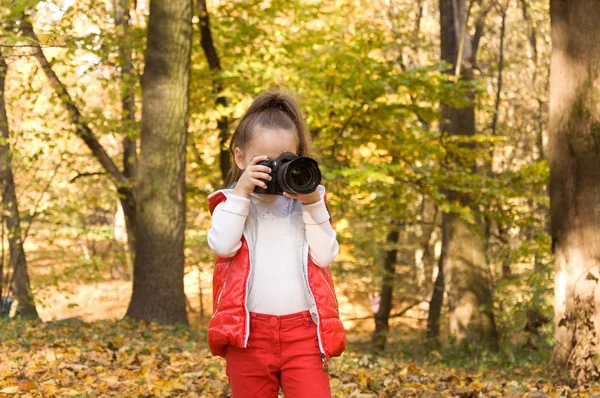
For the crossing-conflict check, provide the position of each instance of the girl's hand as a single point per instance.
(252, 176)
(306, 199)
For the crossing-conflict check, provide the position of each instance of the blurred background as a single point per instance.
(430, 137)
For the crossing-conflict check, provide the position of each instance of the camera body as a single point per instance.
(292, 174)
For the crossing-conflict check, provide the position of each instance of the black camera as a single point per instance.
(292, 174)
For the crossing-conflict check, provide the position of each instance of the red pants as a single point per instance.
(282, 351)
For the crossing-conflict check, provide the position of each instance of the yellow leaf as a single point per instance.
(111, 380)
(49, 388)
(362, 378)
(476, 385)
(27, 385)
(50, 356)
(174, 385)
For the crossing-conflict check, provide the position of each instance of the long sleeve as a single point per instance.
(323, 246)
(228, 219)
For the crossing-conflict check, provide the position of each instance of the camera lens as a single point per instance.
(301, 175)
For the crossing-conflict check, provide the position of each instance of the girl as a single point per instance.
(275, 314)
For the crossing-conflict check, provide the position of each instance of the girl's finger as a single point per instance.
(264, 169)
(258, 183)
(261, 176)
(257, 159)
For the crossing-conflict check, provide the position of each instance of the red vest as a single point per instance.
(230, 324)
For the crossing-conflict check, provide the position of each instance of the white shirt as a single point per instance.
(277, 285)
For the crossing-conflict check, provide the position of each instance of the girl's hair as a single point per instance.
(273, 110)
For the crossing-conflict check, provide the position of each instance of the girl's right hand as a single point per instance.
(251, 177)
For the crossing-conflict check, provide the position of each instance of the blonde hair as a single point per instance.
(273, 110)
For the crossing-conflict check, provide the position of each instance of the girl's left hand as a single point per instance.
(306, 199)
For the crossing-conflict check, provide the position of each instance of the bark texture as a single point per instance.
(10, 213)
(382, 316)
(158, 293)
(437, 296)
(574, 156)
(465, 269)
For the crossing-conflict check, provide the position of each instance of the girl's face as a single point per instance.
(266, 142)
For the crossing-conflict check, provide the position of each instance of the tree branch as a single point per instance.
(27, 46)
(503, 12)
(80, 175)
(83, 131)
(214, 64)
(39, 200)
(479, 28)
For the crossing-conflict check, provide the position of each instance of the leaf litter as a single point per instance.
(128, 358)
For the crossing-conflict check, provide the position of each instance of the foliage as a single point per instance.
(371, 86)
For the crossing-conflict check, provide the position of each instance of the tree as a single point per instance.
(574, 157)
(10, 212)
(129, 124)
(158, 293)
(382, 316)
(464, 267)
(437, 296)
(214, 63)
(82, 127)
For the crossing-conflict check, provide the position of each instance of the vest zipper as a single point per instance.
(325, 365)
(250, 254)
(321, 349)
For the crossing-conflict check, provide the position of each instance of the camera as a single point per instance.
(292, 174)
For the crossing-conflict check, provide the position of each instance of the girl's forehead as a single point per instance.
(272, 140)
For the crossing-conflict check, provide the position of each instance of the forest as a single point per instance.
(459, 142)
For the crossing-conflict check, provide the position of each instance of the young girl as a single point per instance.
(276, 318)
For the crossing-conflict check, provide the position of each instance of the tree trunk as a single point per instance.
(158, 293)
(129, 125)
(425, 256)
(489, 222)
(382, 317)
(214, 64)
(500, 70)
(574, 156)
(531, 36)
(467, 284)
(437, 297)
(466, 272)
(10, 213)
